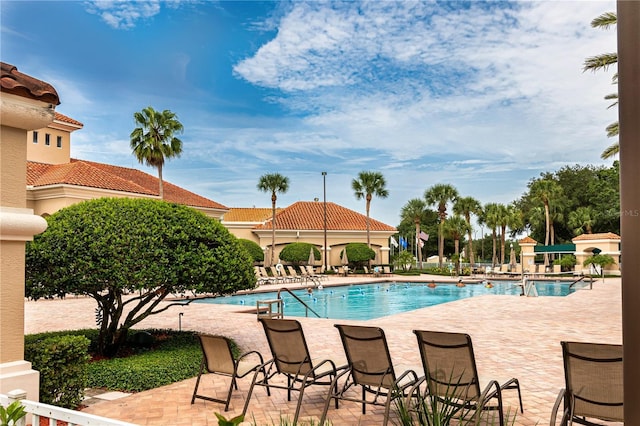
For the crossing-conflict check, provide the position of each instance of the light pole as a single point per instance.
(324, 190)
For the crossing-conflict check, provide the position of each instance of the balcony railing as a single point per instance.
(38, 410)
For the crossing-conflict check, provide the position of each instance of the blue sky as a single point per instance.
(480, 95)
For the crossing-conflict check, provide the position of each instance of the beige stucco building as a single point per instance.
(304, 221)
(584, 246)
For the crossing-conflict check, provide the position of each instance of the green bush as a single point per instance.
(62, 363)
(359, 254)
(298, 253)
(567, 262)
(253, 248)
(174, 356)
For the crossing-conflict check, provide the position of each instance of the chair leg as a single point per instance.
(195, 390)
(233, 383)
(332, 388)
(246, 402)
(364, 404)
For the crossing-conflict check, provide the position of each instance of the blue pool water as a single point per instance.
(368, 301)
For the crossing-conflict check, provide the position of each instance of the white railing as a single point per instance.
(53, 413)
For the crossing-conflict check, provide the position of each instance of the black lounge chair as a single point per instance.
(452, 377)
(593, 380)
(290, 359)
(370, 367)
(217, 358)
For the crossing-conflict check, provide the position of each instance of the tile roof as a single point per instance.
(528, 240)
(68, 120)
(105, 176)
(603, 236)
(309, 215)
(19, 84)
(248, 214)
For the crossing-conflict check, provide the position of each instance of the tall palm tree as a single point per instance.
(466, 206)
(503, 219)
(603, 62)
(366, 185)
(490, 217)
(415, 210)
(154, 140)
(274, 183)
(455, 227)
(546, 191)
(440, 195)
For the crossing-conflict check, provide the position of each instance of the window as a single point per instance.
(35, 137)
(59, 141)
(47, 139)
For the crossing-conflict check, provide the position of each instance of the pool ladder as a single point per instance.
(307, 308)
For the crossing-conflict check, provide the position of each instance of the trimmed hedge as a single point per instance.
(253, 248)
(62, 363)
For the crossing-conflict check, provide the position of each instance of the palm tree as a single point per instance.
(546, 191)
(154, 140)
(366, 186)
(603, 62)
(490, 217)
(440, 195)
(582, 219)
(414, 211)
(274, 183)
(466, 206)
(455, 227)
(503, 219)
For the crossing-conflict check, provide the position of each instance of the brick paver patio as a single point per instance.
(512, 336)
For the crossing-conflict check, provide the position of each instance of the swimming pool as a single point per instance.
(369, 301)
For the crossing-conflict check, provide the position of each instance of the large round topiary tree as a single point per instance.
(253, 249)
(359, 254)
(129, 254)
(297, 253)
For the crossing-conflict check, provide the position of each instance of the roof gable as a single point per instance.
(602, 236)
(309, 215)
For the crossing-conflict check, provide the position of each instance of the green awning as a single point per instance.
(558, 248)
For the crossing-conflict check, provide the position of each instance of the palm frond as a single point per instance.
(604, 61)
(605, 20)
(613, 129)
(612, 150)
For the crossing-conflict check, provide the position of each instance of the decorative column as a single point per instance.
(629, 111)
(25, 104)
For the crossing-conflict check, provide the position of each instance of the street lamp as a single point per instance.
(324, 189)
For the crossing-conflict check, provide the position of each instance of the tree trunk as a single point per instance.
(273, 226)
(160, 186)
(440, 243)
(546, 234)
(494, 259)
(502, 244)
(456, 245)
(368, 226)
(418, 242)
(472, 258)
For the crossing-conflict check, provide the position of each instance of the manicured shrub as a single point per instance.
(253, 248)
(62, 363)
(359, 254)
(297, 253)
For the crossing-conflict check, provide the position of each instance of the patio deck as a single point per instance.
(512, 336)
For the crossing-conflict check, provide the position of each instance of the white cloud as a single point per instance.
(123, 14)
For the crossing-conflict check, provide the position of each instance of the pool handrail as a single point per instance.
(307, 307)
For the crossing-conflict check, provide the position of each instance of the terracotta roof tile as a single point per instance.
(603, 236)
(528, 240)
(106, 176)
(309, 215)
(69, 120)
(19, 84)
(248, 214)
